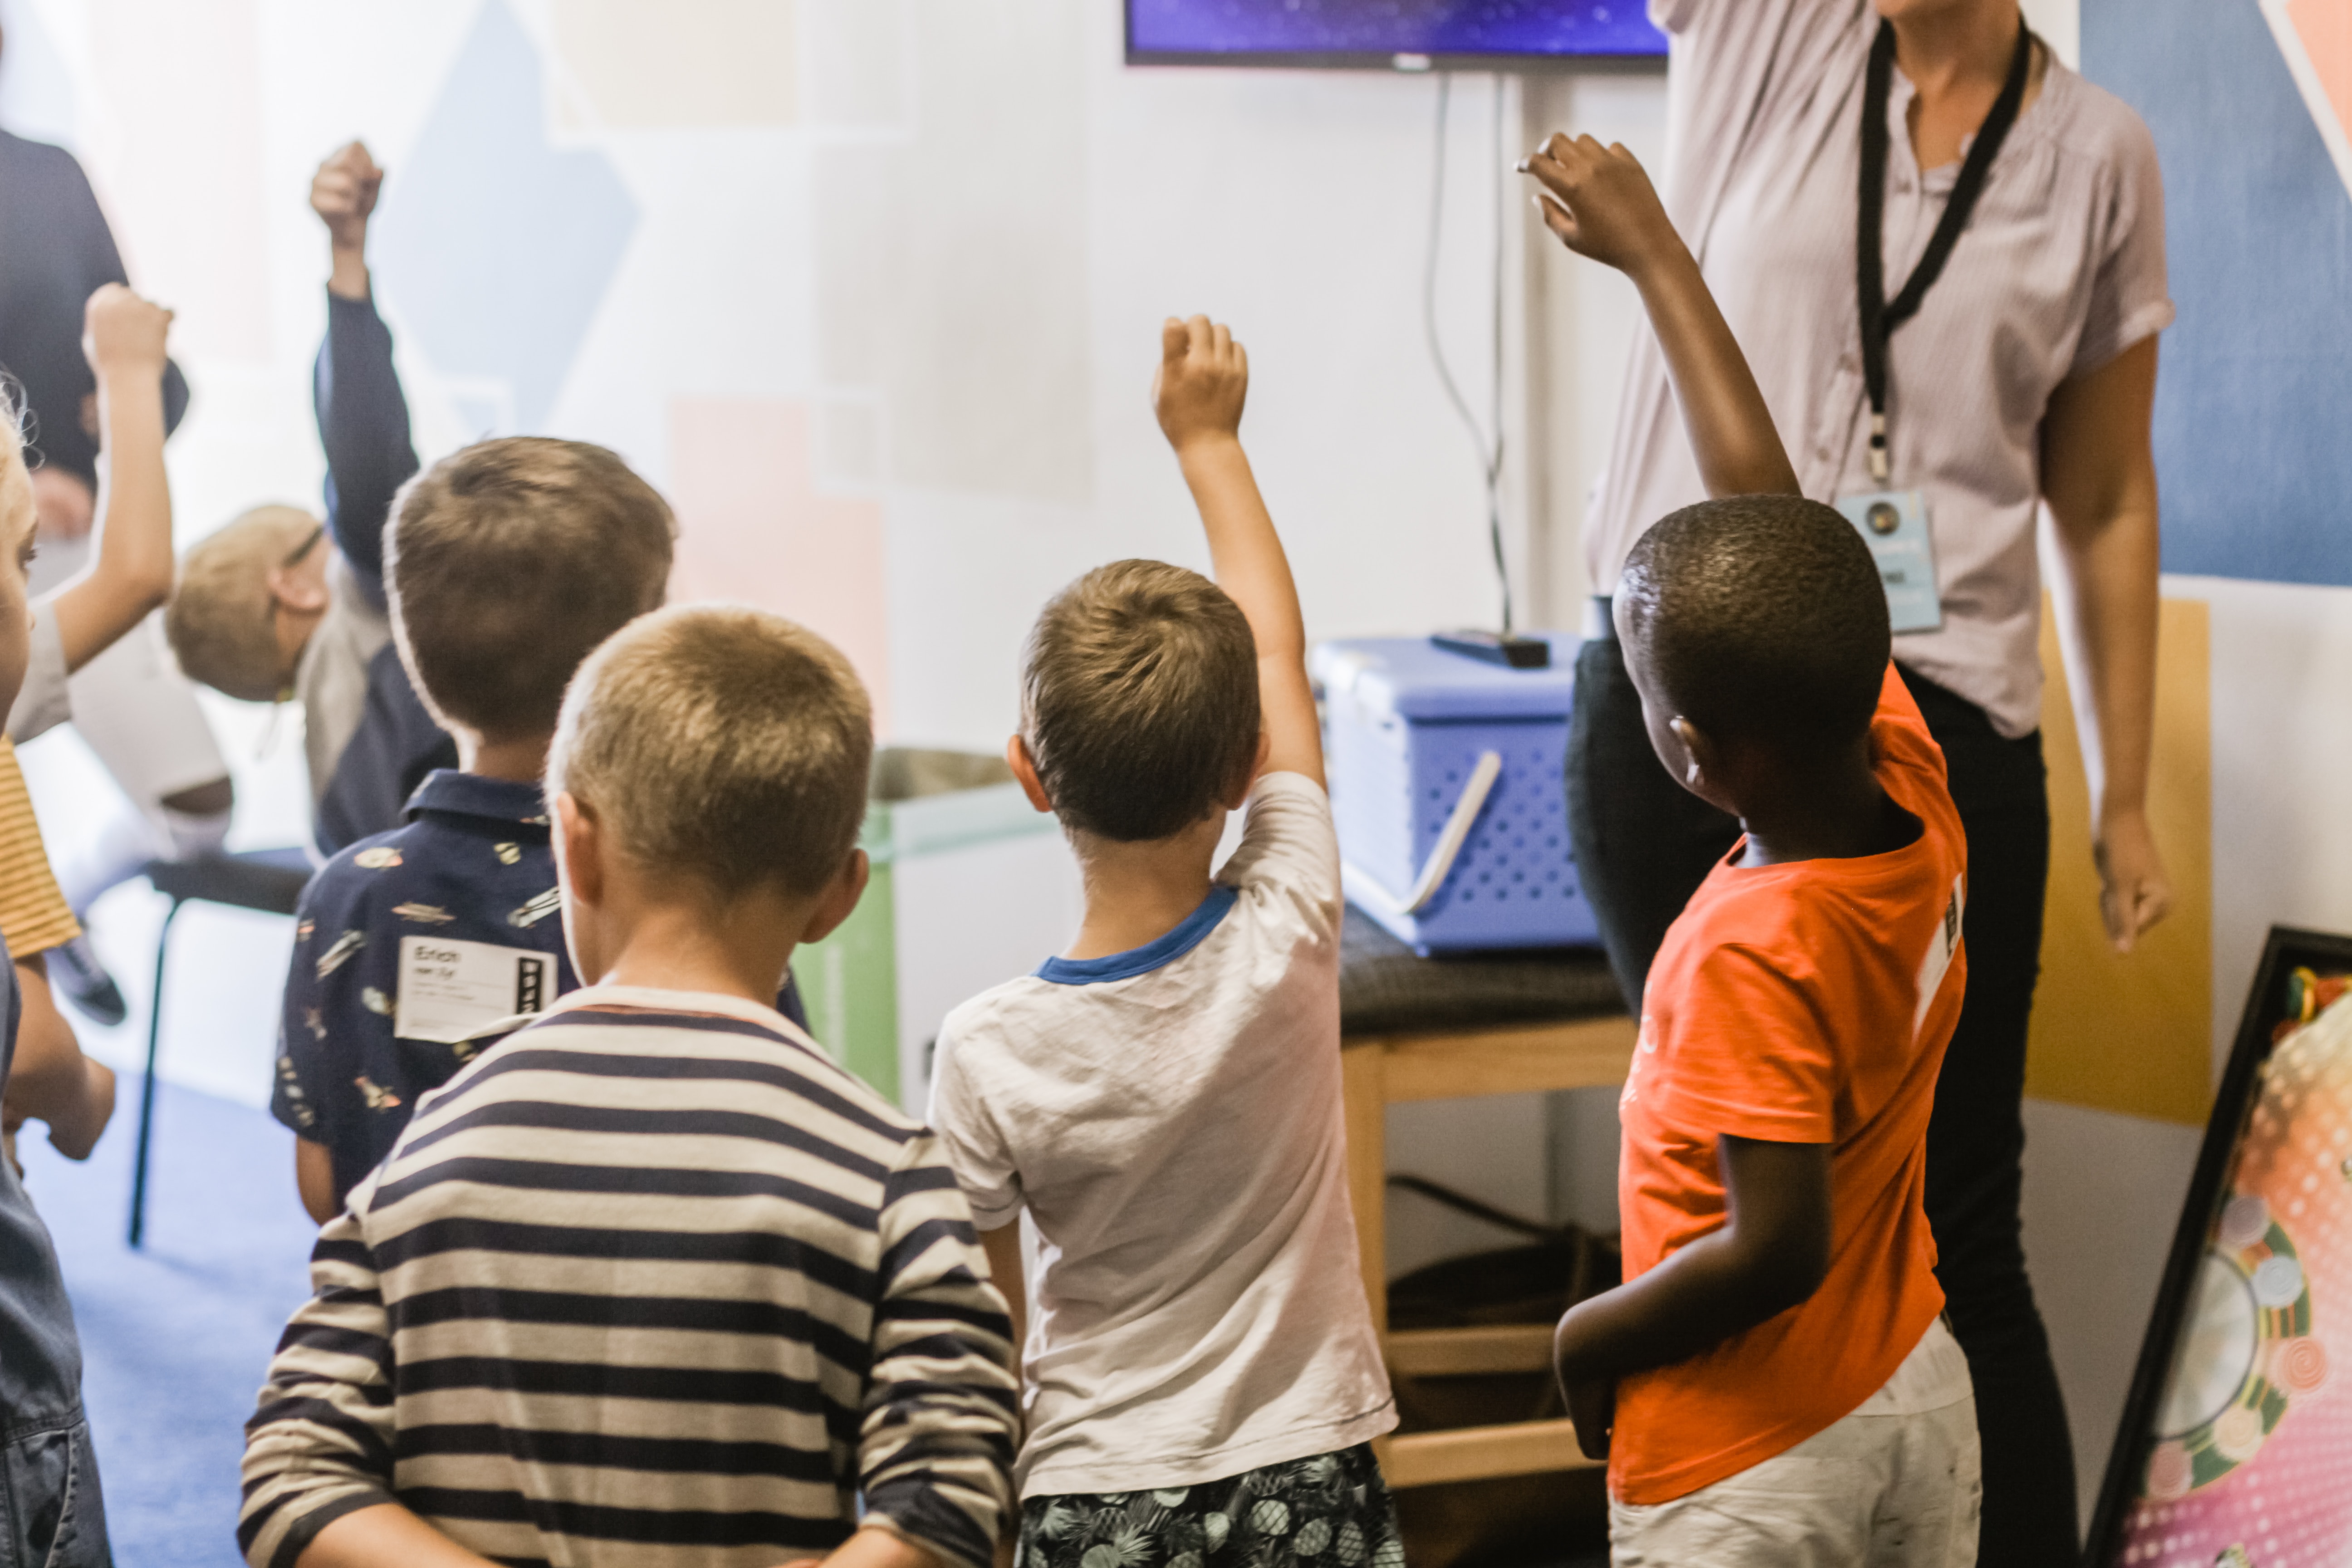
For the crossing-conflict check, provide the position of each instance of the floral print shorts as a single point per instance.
(1332, 1510)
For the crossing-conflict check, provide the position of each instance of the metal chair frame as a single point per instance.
(268, 881)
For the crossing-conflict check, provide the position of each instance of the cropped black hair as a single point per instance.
(1763, 620)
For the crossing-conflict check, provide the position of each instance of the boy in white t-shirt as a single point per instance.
(1199, 1376)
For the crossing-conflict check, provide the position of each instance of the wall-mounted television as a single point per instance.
(1393, 35)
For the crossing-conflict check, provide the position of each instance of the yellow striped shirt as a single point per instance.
(34, 914)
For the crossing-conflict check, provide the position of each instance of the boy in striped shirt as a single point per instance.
(651, 1281)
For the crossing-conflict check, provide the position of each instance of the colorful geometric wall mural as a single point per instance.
(494, 246)
(2246, 103)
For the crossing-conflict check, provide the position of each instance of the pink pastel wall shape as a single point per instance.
(754, 529)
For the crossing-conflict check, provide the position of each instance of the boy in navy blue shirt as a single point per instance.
(506, 564)
(277, 604)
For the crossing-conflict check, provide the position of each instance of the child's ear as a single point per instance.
(1024, 768)
(1237, 794)
(579, 850)
(839, 899)
(1703, 766)
(290, 588)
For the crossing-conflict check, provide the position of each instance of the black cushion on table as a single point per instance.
(1386, 988)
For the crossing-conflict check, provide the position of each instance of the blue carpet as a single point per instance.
(175, 1338)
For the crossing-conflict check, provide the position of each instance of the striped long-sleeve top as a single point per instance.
(652, 1281)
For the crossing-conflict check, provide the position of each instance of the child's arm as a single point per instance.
(935, 1448)
(1601, 205)
(49, 1079)
(363, 413)
(386, 1535)
(1769, 1256)
(1203, 382)
(1006, 1271)
(319, 1448)
(314, 1179)
(123, 337)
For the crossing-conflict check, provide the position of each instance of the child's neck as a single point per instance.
(517, 760)
(1835, 811)
(681, 947)
(1138, 892)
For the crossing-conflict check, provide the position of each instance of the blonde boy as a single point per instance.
(652, 1281)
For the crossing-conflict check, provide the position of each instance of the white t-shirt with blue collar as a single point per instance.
(1171, 1119)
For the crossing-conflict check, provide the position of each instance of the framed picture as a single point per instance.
(2235, 1447)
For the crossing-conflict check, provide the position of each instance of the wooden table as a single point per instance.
(1381, 1070)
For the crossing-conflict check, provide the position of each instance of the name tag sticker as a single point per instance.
(1894, 524)
(450, 991)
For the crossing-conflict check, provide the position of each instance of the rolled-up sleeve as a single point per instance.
(46, 699)
(2130, 297)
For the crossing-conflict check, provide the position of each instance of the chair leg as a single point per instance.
(147, 1083)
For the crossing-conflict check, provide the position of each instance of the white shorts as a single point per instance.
(1897, 1484)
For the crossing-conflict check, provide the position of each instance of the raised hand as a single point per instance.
(1600, 202)
(343, 193)
(1201, 383)
(124, 334)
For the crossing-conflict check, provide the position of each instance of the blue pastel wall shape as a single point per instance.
(493, 247)
(2254, 416)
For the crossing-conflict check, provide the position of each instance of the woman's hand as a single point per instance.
(1601, 204)
(2134, 892)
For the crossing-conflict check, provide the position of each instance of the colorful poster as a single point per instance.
(2251, 1462)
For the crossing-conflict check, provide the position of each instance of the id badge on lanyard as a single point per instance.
(1893, 523)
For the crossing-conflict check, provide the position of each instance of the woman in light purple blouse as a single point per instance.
(2025, 377)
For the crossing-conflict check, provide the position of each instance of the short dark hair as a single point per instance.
(507, 563)
(1139, 699)
(1763, 619)
(721, 745)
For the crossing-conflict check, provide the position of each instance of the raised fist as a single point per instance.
(1201, 383)
(343, 193)
(124, 334)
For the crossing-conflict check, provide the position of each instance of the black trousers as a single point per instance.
(1643, 844)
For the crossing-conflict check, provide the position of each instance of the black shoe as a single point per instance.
(75, 970)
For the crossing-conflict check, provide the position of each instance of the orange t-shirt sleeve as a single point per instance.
(1751, 1056)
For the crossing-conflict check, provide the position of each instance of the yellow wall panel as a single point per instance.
(2132, 1034)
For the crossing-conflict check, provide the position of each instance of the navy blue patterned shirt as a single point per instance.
(473, 864)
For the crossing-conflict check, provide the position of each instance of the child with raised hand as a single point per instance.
(1773, 1385)
(1201, 1379)
(55, 1511)
(279, 604)
(124, 337)
(653, 1281)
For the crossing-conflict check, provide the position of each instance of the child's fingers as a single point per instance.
(1221, 343)
(1556, 218)
(1199, 339)
(1172, 340)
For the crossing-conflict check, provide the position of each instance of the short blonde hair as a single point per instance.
(219, 622)
(721, 745)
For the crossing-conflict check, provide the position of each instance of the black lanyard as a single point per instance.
(1880, 315)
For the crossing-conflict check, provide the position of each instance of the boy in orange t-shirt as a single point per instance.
(1773, 1384)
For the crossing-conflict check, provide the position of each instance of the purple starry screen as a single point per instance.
(1351, 30)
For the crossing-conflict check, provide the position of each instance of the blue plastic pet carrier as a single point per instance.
(1447, 781)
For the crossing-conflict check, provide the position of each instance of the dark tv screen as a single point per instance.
(1395, 32)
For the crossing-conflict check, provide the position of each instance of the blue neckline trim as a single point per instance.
(1179, 939)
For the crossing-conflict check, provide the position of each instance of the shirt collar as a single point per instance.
(456, 794)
